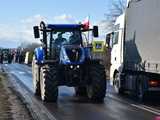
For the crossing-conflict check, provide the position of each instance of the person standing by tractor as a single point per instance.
(1, 57)
(10, 57)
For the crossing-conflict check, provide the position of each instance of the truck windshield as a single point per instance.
(115, 37)
(67, 38)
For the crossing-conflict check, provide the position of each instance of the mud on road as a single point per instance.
(11, 107)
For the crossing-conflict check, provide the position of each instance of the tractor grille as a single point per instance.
(74, 54)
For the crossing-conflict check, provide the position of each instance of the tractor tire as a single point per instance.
(81, 91)
(36, 78)
(49, 83)
(96, 90)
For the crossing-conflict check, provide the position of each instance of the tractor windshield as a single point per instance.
(67, 38)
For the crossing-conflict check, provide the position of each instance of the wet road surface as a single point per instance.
(70, 107)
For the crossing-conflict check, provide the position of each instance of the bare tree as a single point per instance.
(28, 46)
(32, 46)
(116, 8)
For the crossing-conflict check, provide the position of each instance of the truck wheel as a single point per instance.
(116, 84)
(81, 91)
(140, 93)
(140, 90)
(49, 83)
(96, 90)
(36, 78)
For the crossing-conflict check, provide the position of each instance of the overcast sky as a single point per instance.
(18, 16)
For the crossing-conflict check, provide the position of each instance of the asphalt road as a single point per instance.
(70, 107)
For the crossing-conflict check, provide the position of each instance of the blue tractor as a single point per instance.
(64, 58)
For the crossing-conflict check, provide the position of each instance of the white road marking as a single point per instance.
(6, 64)
(146, 109)
(139, 106)
(154, 109)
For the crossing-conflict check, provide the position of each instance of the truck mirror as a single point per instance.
(108, 38)
(95, 31)
(36, 32)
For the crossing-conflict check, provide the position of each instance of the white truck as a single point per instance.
(135, 44)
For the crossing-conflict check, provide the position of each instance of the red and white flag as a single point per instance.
(86, 23)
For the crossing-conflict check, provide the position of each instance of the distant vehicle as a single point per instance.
(135, 41)
(64, 60)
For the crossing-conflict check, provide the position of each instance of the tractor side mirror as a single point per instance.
(95, 31)
(36, 32)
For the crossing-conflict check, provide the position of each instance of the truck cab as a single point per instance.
(116, 44)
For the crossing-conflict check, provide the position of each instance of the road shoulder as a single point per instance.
(11, 106)
(36, 107)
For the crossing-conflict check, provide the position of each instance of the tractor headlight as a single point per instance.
(71, 66)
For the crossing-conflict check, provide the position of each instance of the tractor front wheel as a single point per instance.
(96, 90)
(36, 77)
(49, 83)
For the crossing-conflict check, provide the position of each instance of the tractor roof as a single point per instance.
(64, 26)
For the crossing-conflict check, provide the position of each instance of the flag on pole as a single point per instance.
(86, 23)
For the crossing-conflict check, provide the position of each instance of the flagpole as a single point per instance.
(88, 31)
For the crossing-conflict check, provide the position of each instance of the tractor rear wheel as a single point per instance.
(49, 83)
(96, 90)
(36, 78)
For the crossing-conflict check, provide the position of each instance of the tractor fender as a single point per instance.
(39, 54)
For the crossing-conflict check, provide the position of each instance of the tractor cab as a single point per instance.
(60, 39)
